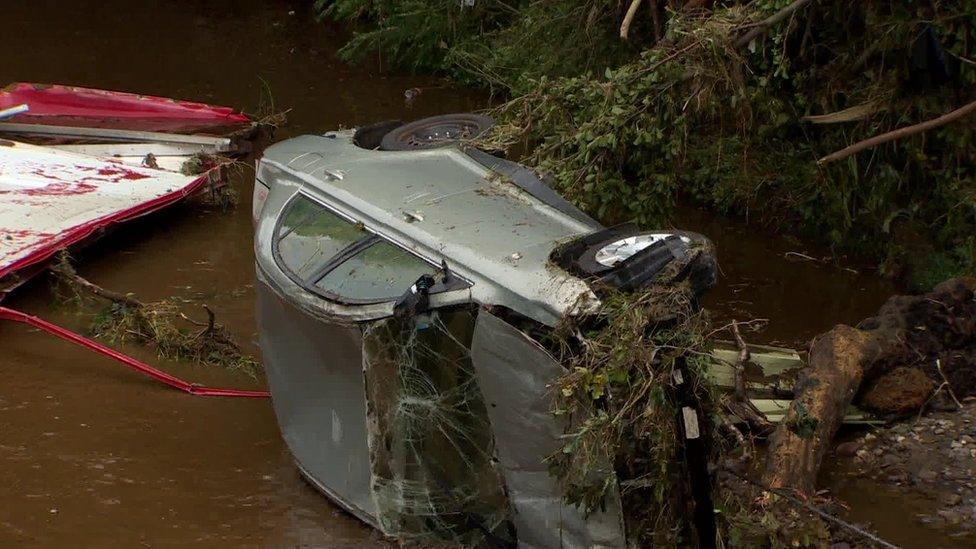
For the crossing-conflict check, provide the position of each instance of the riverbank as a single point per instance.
(929, 460)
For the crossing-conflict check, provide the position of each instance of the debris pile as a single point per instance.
(620, 398)
(160, 325)
(627, 366)
(927, 349)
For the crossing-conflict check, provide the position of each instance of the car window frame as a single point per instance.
(369, 238)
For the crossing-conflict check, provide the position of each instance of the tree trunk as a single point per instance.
(838, 360)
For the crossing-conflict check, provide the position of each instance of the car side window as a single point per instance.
(309, 235)
(380, 272)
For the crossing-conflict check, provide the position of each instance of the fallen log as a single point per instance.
(909, 332)
(823, 392)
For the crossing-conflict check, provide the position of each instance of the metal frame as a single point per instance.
(219, 144)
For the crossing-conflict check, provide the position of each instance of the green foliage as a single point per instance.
(491, 43)
(699, 116)
(683, 111)
(414, 33)
(930, 269)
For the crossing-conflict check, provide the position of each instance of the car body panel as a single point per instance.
(495, 229)
(444, 206)
(314, 371)
(515, 375)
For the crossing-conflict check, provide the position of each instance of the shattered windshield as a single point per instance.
(428, 433)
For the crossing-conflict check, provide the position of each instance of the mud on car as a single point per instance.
(397, 269)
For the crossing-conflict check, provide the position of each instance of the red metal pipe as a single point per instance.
(142, 367)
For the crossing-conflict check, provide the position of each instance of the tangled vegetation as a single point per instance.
(159, 325)
(727, 105)
(620, 400)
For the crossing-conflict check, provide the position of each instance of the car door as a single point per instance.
(313, 362)
(324, 274)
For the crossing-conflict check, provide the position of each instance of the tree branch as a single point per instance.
(628, 19)
(900, 133)
(770, 21)
(65, 270)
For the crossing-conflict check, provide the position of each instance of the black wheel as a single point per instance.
(633, 261)
(610, 252)
(436, 131)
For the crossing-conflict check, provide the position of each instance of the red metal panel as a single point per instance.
(61, 102)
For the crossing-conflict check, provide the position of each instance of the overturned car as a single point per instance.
(397, 270)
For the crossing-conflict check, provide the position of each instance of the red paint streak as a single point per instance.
(114, 173)
(83, 185)
(37, 238)
(40, 173)
(21, 233)
(61, 188)
(123, 173)
(33, 238)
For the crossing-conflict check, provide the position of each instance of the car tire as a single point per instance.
(436, 131)
(696, 251)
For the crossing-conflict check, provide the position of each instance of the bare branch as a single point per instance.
(65, 270)
(739, 371)
(900, 133)
(628, 19)
(770, 21)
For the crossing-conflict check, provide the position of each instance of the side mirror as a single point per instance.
(416, 300)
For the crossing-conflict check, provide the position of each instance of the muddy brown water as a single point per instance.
(92, 454)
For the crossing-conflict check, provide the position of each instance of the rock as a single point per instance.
(951, 500)
(951, 516)
(959, 453)
(900, 391)
(898, 478)
(927, 475)
(890, 460)
(848, 449)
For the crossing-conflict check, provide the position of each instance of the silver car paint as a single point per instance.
(516, 376)
(441, 205)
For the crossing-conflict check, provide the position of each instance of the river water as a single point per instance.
(91, 454)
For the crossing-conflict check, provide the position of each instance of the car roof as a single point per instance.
(443, 204)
